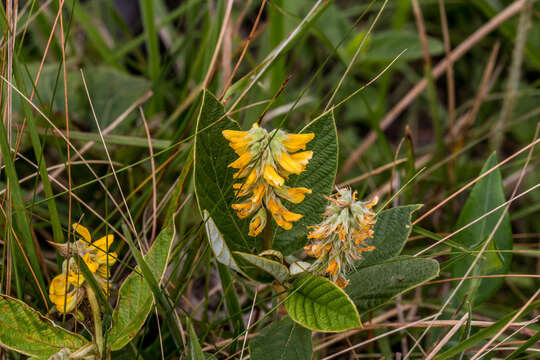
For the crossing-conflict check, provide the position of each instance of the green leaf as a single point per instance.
(372, 286)
(485, 333)
(135, 296)
(390, 234)
(319, 176)
(217, 243)
(262, 269)
(487, 194)
(213, 177)
(195, 351)
(318, 304)
(283, 340)
(26, 331)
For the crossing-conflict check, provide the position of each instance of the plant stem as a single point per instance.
(97, 319)
(267, 232)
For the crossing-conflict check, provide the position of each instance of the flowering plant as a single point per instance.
(265, 197)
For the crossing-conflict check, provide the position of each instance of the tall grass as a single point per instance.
(99, 104)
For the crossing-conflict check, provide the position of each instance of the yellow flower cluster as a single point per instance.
(266, 159)
(66, 290)
(340, 239)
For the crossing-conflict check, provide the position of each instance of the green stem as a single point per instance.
(267, 232)
(96, 312)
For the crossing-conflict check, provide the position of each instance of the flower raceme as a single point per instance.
(66, 290)
(341, 238)
(265, 161)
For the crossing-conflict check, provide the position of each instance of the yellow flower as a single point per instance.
(257, 223)
(96, 255)
(266, 160)
(64, 293)
(341, 238)
(294, 195)
(296, 142)
(333, 267)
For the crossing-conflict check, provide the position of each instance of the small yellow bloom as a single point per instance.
(294, 195)
(317, 250)
(66, 291)
(290, 165)
(272, 177)
(333, 267)
(241, 162)
(296, 142)
(257, 223)
(341, 282)
(266, 160)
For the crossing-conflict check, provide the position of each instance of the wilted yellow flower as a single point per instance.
(266, 160)
(340, 239)
(66, 291)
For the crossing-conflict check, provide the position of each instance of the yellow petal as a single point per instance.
(272, 177)
(243, 210)
(252, 177)
(373, 202)
(103, 243)
(91, 264)
(302, 157)
(106, 258)
(241, 162)
(290, 165)
(289, 215)
(241, 173)
(59, 286)
(257, 224)
(333, 267)
(240, 147)
(295, 142)
(104, 271)
(81, 230)
(281, 222)
(341, 282)
(234, 135)
(294, 195)
(75, 279)
(258, 193)
(273, 206)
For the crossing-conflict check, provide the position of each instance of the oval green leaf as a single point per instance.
(487, 194)
(135, 296)
(217, 243)
(390, 233)
(318, 304)
(283, 340)
(319, 176)
(26, 331)
(213, 177)
(262, 269)
(373, 286)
